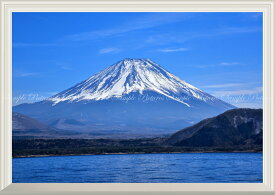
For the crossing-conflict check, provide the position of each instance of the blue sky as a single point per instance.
(220, 53)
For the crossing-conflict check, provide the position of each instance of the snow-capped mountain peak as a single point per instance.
(131, 76)
(134, 97)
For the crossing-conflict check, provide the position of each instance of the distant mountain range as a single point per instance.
(132, 98)
(237, 130)
(237, 127)
(26, 127)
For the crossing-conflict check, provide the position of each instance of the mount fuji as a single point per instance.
(132, 98)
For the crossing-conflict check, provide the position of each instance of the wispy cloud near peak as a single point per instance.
(172, 50)
(141, 23)
(108, 50)
(219, 64)
(223, 85)
(255, 90)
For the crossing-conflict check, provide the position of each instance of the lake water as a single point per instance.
(141, 168)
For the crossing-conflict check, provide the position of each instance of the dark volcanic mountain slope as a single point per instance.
(232, 128)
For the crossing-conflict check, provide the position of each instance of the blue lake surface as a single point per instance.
(141, 168)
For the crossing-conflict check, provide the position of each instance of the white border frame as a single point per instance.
(9, 6)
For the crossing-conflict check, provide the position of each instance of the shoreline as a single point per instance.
(121, 153)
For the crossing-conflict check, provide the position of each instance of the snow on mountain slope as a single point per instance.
(132, 75)
(134, 97)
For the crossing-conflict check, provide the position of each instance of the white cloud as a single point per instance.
(183, 36)
(223, 85)
(256, 90)
(35, 44)
(247, 99)
(248, 104)
(26, 74)
(108, 50)
(219, 64)
(224, 31)
(145, 22)
(173, 50)
(63, 65)
(229, 63)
